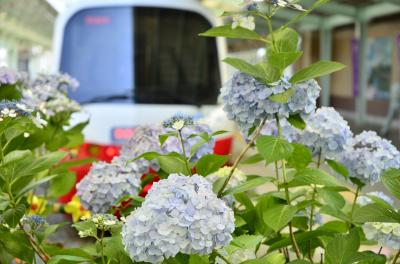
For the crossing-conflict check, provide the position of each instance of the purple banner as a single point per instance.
(355, 54)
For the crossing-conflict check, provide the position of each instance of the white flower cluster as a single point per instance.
(289, 132)
(48, 93)
(106, 183)
(386, 234)
(104, 222)
(247, 101)
(326, 131)
(173, 144)
(180, 214)
(367, 155)
(144, 140)
(9, 76)
(244, 22)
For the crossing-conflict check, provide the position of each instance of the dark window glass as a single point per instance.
(152, 55)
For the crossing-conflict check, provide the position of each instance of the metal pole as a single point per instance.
(325, 54)
(361, 31)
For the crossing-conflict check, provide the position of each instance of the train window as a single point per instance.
(141, 55)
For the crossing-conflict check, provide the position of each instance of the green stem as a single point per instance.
(396, 257)
(271, 32)
(241, 155)
(35, 246)
(314, 194)
(184, 152)
(277, 175)
(222, 257)
(354, 203)
(102, 247)
(292, 237)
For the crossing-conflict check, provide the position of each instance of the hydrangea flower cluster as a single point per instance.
(106, 184)
(173, 144)
(367, 155)
(12, 109)
(365, 199)
(386, 234)
(178, 122)
(62, 82)
(180, 214)
(144, 140)
(48, 93)
(244, 22)
(104, 222)
(289, 132)
(33, 222)
(246, 100)
(326, 131)
(9, 76)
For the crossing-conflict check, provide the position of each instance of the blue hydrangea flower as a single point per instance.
(246, 100)
(327, 131)
(13, 109)
(173, 144)
(178, 122)
(368, 155)
(289, 132)
(365, 199)
(106, 184)
(61, 82)
(33, 222)
(145, 139)
(180, 214)
(9, 76)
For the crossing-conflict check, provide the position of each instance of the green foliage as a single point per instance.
(279, 216)
(210, 163)
(273, 148)
(229, 32)
(316, 70)
(391, 180)
(250, 184)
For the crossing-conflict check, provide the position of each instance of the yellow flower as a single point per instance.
(37, 205)
(75, 209)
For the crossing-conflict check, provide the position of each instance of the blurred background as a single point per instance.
(363, 34)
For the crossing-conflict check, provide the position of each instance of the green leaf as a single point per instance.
(86, 226)
(391, 180)
(300, 238)
(310, 176)
(34, 184)
(63, 259)
(274, 258)
(274, 149)
(4, 201)
(210, 163)
(247, 241)
(299, 261)
(248, 185)
(16, 156)
(301, 15)
(282, 97)
(282, 60)
(297, 121)
(246, 67)
(339, 168)
(375, 213)
(335, 212)
(13, 215)
(271, 74)
(173, 163)
(62, 184)
(253, 159)
(229, 32)
(315, 70)
(332, 198)
(163, 137)
(286, 40)
(342, 249)
(301, 157)
(17, 245)
(279, 216)
(369, 257)
(197, 259)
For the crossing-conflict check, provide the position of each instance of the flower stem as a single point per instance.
(354, 203)
(314, 194)
(241, 155)
(277, 175)
(396, 257)
(184, 152)
(102, 248)
(36, 248)
(292, 237)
